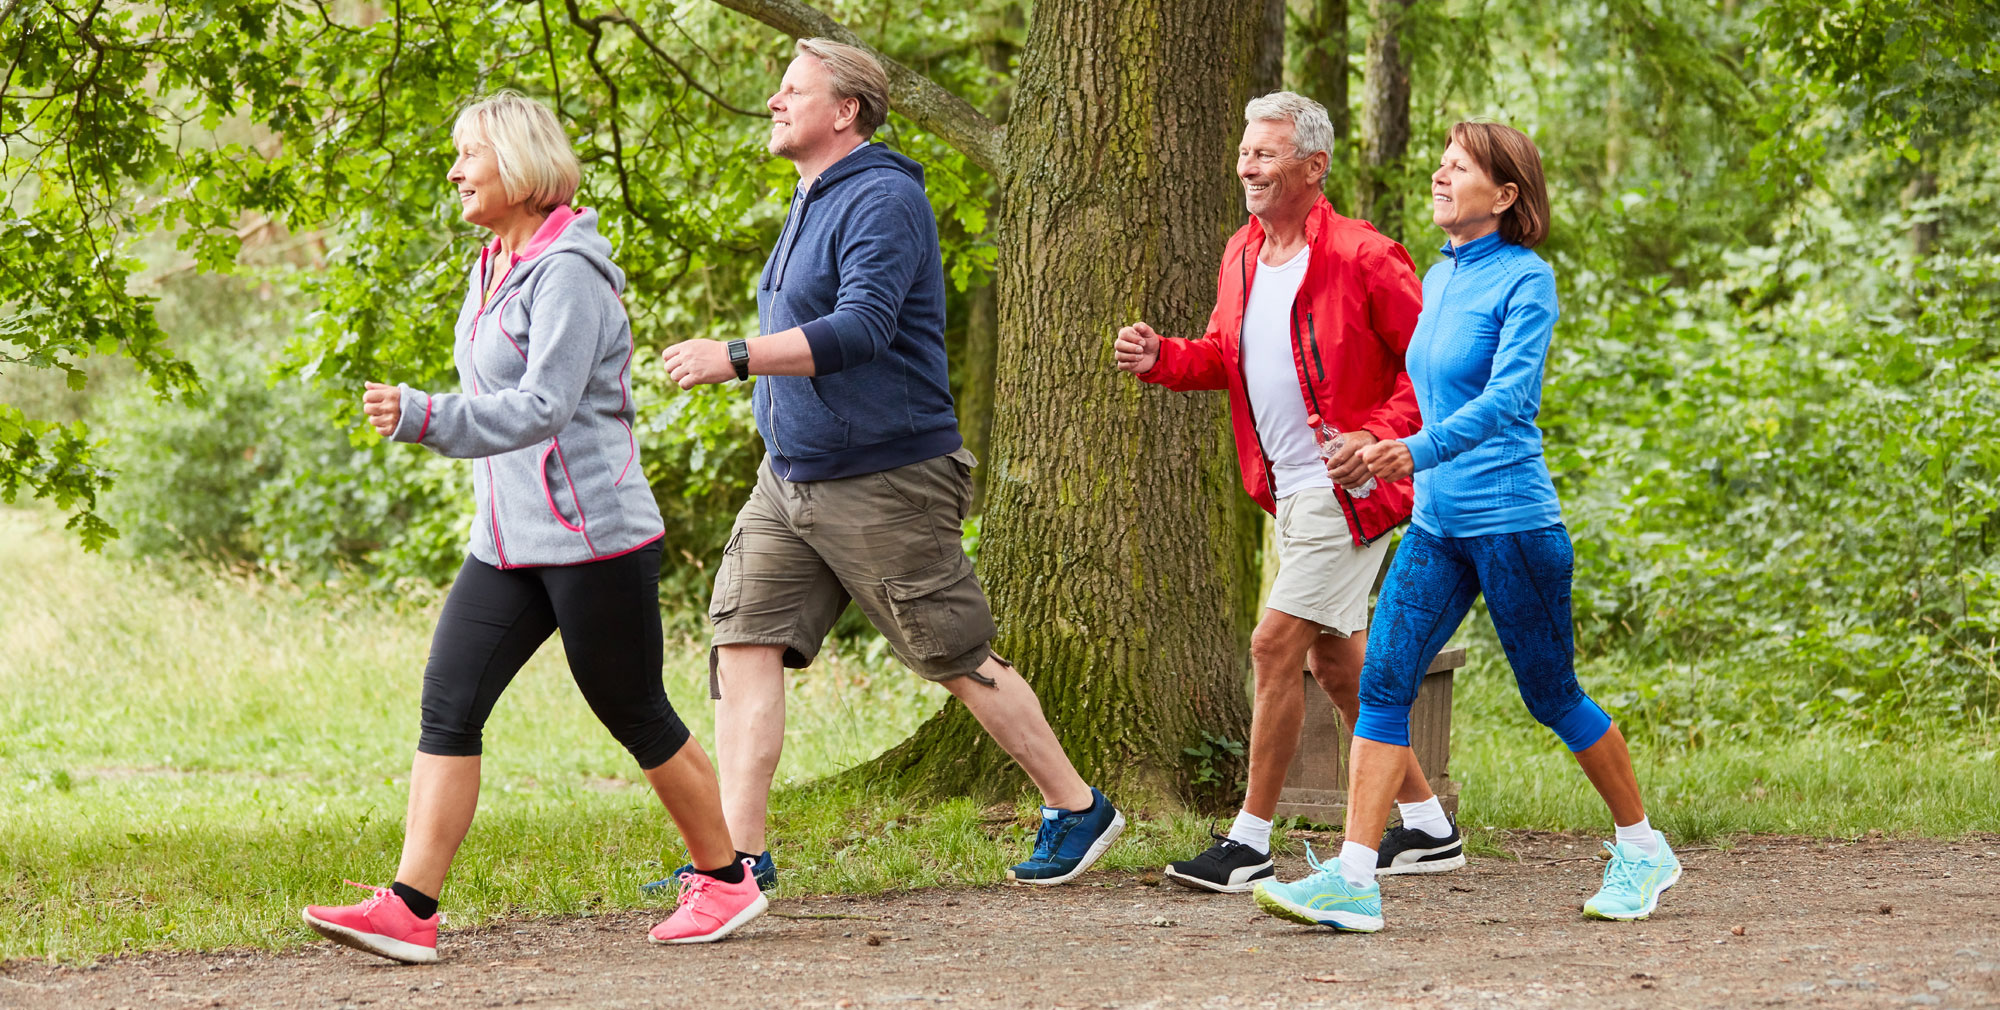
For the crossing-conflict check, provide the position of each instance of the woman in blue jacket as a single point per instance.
(1486, 521)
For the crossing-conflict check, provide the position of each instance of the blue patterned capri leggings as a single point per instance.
(1430, 587)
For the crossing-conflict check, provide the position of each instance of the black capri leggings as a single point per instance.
(609, 615)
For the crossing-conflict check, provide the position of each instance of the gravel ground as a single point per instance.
(1764, 922)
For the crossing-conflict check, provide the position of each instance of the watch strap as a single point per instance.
(739, 357)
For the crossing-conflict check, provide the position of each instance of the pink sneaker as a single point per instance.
(711, 909)
(382, 925)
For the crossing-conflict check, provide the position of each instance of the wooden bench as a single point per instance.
(1316, 783)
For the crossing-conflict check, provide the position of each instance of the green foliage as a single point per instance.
(1769, 408)
(324, 130)
(1770, 399)
(1218, 761)
(233, 716)
(1783, 484)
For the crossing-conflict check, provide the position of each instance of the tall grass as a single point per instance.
(186, 757)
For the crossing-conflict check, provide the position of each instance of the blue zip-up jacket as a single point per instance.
(1476, 361)
(859, 270)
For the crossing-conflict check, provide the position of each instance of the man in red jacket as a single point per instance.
(1312, 313)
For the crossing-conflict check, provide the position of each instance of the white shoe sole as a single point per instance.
(1096, 849)
(1429, 866)
(750, 911)
(372, 943)
(1644, 913)
(1198, 884)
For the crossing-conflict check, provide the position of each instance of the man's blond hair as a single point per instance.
(855, 74)
(537, 165)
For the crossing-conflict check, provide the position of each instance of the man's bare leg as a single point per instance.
(1336, 665)
(749, 736)
(1277, 656)
(1011, 714)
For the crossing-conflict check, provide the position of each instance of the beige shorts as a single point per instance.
(889, 541)
(1323, 576)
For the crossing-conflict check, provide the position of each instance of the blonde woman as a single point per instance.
(566, 538)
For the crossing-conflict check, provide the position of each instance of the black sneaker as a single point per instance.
(1227, 867)
(1407, 850)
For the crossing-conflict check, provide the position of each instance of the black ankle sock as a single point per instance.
(422, 905)
(731, 874)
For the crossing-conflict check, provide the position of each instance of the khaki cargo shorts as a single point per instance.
(1323, 576)
(889, 541)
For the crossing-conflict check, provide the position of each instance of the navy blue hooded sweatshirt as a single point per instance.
(858, 269)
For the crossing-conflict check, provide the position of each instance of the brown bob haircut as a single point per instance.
(1507, 155)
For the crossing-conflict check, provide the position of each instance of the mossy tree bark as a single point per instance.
(982, 305)
(1115, 552)
(1323, 77)
(1385, 118)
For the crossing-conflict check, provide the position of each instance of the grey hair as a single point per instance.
(1312, 131)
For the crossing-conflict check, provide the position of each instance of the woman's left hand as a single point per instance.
(384, 407)
(1389, 460)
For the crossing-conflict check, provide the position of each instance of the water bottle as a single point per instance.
(1329, 443)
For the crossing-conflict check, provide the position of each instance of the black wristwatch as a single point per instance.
(739, 358)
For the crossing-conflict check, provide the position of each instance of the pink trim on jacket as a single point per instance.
(558, 219)
(583, 521)
(493, 513)
(550, 496)
(634, 440)
(427, 419)
(500, 320)
(648, 542)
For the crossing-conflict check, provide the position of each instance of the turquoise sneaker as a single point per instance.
(1632, 883)
(1324, 898)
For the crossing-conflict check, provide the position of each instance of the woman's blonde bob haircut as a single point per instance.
(537, 166)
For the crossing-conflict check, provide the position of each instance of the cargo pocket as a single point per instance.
(940, 611)
(962, 463)
(728, 594)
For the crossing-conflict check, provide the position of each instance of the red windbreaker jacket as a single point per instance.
(1350, 325)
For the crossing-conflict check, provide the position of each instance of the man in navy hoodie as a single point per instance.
(866, 482)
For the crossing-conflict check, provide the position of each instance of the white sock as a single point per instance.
(1251, 830)
(1427, 817)
(1357, 863)
(1639, 836)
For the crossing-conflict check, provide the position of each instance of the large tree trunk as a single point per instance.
(975, 402)
(1115, 551)
(1323, 77)
(1385, 118)
(1268, 73)
(982, 306)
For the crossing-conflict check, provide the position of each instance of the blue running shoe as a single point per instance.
(1632, 882)
(1069, 841)
(764, 870)
(1324, 898)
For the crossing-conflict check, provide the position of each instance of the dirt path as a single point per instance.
(1874, 923)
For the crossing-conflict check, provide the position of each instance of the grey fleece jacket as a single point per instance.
(545, 411)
